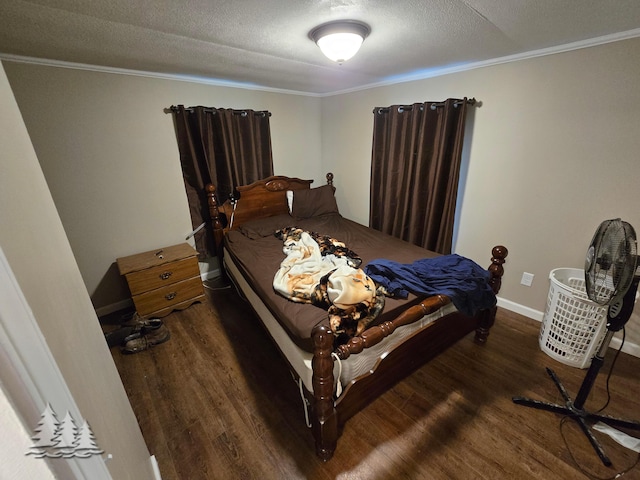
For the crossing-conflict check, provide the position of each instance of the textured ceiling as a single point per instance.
(264, 42)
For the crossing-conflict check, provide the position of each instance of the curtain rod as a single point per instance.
(433, 106)
(176, 109)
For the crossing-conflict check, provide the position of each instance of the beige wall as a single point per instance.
(553, 152)
(109, 153)
(36, 247)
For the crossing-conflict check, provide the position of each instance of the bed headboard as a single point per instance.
(264, 198)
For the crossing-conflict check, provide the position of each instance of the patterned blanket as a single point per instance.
(322, 271)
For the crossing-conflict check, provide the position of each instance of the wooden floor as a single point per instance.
(217, 402)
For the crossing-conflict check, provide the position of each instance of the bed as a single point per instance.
(337, 374)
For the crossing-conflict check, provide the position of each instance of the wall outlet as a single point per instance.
(527, 279)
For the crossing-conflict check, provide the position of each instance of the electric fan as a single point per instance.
(610, 279)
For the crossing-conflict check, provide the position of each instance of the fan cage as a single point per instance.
(611, 261)
(573, 326)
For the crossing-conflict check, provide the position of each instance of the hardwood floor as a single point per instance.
(217, 402)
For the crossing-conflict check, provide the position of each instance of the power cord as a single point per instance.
(613, 363)
(590, 475)
(567, 417)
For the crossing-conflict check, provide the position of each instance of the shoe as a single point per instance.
(117, 337)
(133, 321)
(142, 327)
(146, 340)
(137, 322)
(132, 328)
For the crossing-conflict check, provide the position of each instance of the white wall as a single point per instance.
(553, 152)
(37, 250)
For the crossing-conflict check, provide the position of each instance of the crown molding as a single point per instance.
(47, 62)
(447, 70)
(409, 77)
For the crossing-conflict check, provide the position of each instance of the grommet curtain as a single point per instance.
(415, 169)
(223, 146)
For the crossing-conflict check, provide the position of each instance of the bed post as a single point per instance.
(214, 214)
(488, 317)
(325, 420)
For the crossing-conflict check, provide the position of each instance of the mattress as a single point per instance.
(345, 371)
(252, 254)
(257, 253)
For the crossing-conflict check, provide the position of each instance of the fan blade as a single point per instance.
(610, 262)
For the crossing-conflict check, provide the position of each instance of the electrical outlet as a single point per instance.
(527, 279)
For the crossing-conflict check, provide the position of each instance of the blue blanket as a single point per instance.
(461, 279)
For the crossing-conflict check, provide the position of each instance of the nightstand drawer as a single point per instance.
(163, 280)
(162, 275)
(168, 296)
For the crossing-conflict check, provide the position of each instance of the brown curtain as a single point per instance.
(415, 167)
(222, 146)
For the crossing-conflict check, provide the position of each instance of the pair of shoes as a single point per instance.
(146, 338)
(134, 320)
(132, 328)
(142, 327)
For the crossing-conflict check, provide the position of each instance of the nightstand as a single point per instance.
(163, 280)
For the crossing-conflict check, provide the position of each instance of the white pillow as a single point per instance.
(290, 200)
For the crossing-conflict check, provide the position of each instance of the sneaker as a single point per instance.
(142, 327)
(143, 341)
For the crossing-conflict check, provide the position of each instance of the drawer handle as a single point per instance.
(165, 275)
(170, 296)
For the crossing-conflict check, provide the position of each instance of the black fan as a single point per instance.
(611, 279)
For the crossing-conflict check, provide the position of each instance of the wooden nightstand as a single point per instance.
(163, 280)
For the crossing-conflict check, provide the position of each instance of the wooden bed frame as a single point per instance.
(266, 198)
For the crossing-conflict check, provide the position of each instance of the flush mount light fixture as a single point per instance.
(340, 40)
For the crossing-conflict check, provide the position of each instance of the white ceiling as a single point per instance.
(264, 43)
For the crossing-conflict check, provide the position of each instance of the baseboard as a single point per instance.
(630, 348)
(114, 307)
(156, 469)
(520, 309)
(128, 303)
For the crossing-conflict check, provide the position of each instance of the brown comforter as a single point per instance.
(257, 252)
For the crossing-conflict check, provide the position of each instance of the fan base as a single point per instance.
(578, 414)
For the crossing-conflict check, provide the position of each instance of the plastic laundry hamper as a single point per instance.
(573, 326)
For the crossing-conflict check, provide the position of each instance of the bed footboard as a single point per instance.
(329, 415)
(487, 317)
(324, 415)
(374, 335)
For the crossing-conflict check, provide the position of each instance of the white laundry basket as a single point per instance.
(573, 326)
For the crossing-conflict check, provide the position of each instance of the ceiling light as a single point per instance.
(340, 40)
